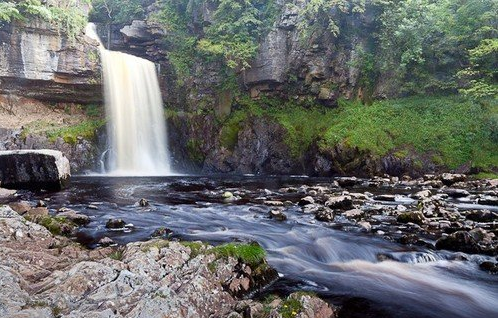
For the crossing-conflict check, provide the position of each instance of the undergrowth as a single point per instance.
(453, 129)
(70, 134)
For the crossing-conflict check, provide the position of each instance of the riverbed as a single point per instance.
(338, 260)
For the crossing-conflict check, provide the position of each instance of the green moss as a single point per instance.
(194, 151)
(86, 130)
(196, 248)
(453, 130)
(290, 308)
(159, 244)
(94, 110)
(457, 130)
(486, 175)
(57, 225)
(117, 254)
(251, 254)
(231, 127)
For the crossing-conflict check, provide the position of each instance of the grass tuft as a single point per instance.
(251, 254)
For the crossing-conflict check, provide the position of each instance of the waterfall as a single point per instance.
(135, 118)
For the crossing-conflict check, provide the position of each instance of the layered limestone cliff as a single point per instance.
(45, 77)
(38, 61)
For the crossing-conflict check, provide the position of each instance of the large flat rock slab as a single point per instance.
(33, 169)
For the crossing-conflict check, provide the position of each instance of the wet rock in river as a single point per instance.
(325, 214)
(143, 203)
(115, 224)
(162, 232)
(312, 208)
(491, 267)
(277, 215)
(75, 217)
(482, 216)
(450, 178)
(488, 200)
(340, 202)
(306, 201)
(408, 239)
(106, 241)
(365, 226)
(411, 217)
(354, 214)
(456, 193)
(385, 197)
(424, 194)
(41, 204)
(348, 181)
(274, 203)
(475, 241)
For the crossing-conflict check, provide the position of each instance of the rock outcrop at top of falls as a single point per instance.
(38, 61)
(33, 169)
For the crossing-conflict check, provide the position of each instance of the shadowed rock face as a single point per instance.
(33, 169)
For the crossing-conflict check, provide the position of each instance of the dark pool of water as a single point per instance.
(308, 254)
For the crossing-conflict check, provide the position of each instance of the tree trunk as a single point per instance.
(109, 25)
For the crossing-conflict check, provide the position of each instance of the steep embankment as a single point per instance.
(404, 136)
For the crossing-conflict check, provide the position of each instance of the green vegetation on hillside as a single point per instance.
(230, 36)
(425, 46)
(452, 130)
(66, 15)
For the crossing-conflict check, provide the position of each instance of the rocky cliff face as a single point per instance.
(37, 61)
(43, 77)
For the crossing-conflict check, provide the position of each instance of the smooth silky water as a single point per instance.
(136, 124)
(309, 255)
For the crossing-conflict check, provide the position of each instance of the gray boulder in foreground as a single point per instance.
(33, 169)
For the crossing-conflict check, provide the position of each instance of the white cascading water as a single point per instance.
(134, 108)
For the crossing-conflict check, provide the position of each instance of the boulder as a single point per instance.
(482, 216)
(277, 215)
(325, 215)
(340, 202)
(413, 217)
(20, 207)
(75, 217)
(450, 178)
(306, 201)
(488, 200)
(354, 214)
(115, 224)
(33, 169)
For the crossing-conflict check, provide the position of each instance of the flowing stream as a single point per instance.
(337, 262)
(135, 116)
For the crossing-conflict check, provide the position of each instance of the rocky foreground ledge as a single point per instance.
(42, 275)
(33, 169)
